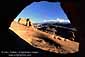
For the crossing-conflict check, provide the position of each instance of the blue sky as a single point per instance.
(39, 12)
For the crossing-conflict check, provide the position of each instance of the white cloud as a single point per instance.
(58, 20)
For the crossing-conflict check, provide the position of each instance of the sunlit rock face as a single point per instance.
(25, 22)
(43, 40)
(22, 21)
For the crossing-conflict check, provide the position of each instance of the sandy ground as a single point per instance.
(43, 40)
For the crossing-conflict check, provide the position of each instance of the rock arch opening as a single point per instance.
(46, 16)
(48, 23)
(18, 6)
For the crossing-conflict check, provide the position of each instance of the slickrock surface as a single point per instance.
(43, 40)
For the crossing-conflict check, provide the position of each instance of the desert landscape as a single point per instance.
(47, 38)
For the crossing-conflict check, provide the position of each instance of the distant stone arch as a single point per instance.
(29, 23)
(25, 21)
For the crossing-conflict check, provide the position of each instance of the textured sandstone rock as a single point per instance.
(43, 40)
(25, 21)
(22, 21)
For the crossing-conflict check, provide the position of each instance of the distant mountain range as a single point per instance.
(64, 25)
(58, 24)
(55, 23)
